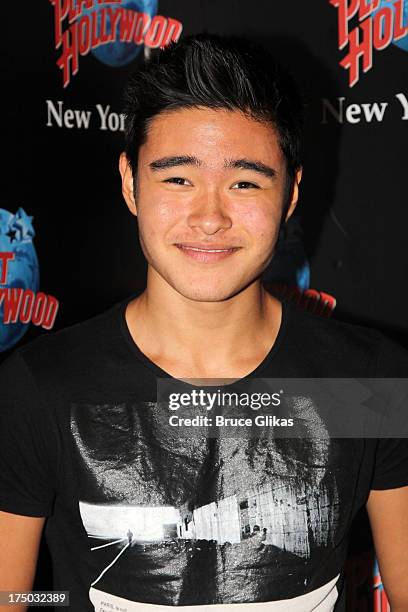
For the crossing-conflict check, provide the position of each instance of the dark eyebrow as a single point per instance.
(249, 164)
(175, 160)
(189, 160)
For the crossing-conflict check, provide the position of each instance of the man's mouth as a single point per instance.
(205, 250)
(206, 254)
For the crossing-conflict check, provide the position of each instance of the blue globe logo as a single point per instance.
(16, 236)
(402, 43)
(117, 53)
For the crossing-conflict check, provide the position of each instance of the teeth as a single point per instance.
(207, 250)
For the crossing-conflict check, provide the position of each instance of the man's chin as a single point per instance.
(208, 294)
(203, 287)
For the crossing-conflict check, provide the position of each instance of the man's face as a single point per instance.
(211, 185)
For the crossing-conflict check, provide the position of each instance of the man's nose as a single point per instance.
(209, 213)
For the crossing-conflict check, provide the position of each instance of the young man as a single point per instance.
(138, 518)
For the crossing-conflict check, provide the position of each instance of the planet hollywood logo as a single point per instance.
(114, 31)
(378, 23)
(21, 302)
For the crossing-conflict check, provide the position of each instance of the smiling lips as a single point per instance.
(206, 253)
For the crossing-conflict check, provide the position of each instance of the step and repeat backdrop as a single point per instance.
(68, 245)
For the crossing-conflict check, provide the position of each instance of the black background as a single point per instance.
(353, 204)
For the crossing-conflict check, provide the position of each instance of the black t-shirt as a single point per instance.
(136, 517)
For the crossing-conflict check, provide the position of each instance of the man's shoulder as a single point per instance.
(78, 344)
(360, 348)
(328, 328)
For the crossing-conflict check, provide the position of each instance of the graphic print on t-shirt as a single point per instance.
(191, 521)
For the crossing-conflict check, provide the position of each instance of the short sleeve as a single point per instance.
(26, 457)
(391, 463)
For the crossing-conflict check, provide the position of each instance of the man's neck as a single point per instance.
(193, 339)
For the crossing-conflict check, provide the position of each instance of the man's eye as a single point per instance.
(177, 180)
(245, 185)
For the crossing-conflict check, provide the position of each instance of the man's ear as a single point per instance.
(294, 195)
(127, 183)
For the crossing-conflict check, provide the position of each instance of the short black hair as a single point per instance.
(217, 72)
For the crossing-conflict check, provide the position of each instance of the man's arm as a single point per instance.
(19, 544)
(388, 514)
